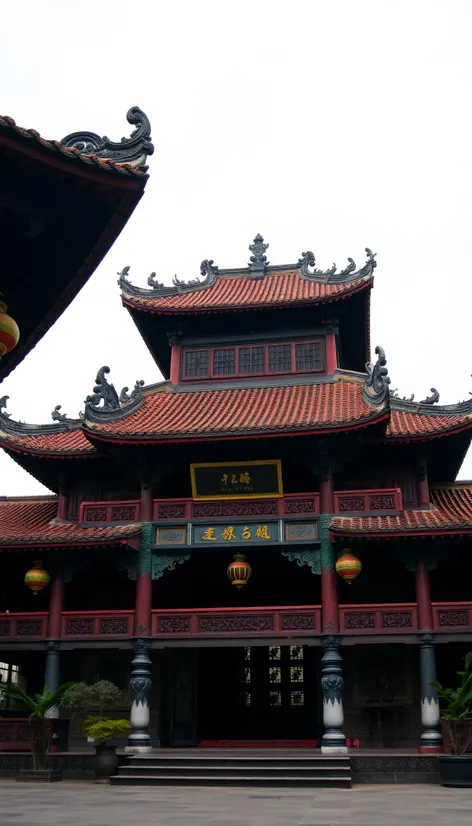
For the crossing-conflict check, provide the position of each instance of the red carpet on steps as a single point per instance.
(258, 744)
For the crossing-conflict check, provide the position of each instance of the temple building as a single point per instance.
(269, 544)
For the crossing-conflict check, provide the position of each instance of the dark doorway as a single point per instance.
(258, 693)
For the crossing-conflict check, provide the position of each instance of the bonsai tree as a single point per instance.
(86, 697)
(38, 707)
(458, 706)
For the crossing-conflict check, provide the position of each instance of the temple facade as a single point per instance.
(267, 546)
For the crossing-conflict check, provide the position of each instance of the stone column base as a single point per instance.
(334, 750)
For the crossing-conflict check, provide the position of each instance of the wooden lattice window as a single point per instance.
(197, 364)
(308, 357)
(252, 360)
(224, 362)
(280, 358)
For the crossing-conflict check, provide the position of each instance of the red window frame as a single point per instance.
(246, 345)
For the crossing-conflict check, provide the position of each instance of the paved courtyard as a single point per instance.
(86, 804)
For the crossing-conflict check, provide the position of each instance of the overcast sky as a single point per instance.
(324, 125)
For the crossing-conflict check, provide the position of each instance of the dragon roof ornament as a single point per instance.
(376, 388)
(105, 402)
(309, 272)
(133, 150)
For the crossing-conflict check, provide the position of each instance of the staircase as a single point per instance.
(197, 768)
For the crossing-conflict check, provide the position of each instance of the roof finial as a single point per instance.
(376, 386)
(103, 391)
(432, 399)
(56, 416)
(3, 406)
(258, 261)
(133, 150)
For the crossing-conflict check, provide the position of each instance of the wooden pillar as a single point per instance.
(175, 362)
(329, 596)
(56, 606)
(422, 486)
(423, 595)
(63, 504)
(52, 672)
(331, 353)
(431, 740)
(146, 501)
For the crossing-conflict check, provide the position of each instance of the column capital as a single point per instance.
(331, 641)
(426, 639)
(141, 645)
(52, 645)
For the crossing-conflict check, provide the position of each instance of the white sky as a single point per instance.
(324, 125)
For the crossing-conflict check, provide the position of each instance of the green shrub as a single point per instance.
(101, 729)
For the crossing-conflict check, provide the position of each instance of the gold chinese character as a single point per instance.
(228, 533)
(262, 531)
(234, 479)
(244, 478)
(246, 534)
(224, 478)
(209, 534)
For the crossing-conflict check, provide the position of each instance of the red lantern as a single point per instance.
(348, 566)
(37, 578)
(9, 331)
(239, 571)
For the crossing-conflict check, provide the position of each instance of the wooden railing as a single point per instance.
(287, 620)
(385, 500)
(252, 622)
(390, 618)
(452, 616)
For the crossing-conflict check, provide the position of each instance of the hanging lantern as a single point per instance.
(348, 566)
(239, 571)
(9, 331)
(37, 578)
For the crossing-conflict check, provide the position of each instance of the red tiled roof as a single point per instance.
(92, 160)
(242, 291)
(29, 522)
(417, 425)
(451, 511)
(251, 410)
(71, 442)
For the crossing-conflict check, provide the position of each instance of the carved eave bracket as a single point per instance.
(133, 150)
(167, 562)
(376, 388)
(308, 271)
(305, 557)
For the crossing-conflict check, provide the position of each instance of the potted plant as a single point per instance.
(39, 707)
(86, 697)
(456, 769)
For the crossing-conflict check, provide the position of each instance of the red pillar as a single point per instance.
(422, 486)
(423, 596)
(146, 502)
(329, 595)
(56, 606)
(143, 605)
(331, 354)
(63, 505)
(175, 364)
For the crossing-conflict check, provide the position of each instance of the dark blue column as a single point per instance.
(431, 740)
(52, 672)
(333, 741)
(139, 740)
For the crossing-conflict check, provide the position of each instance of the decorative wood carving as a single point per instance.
(29, 628)
(114, 626)
(302, 505)
(297, 622)
(210, 510)
(236, 623)
(79, 627)
(397, 619)
(453, 618)
(173, 625)
(359, 620)
(173, 511)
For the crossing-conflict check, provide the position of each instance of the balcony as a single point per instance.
(382, 500)
(220, 623)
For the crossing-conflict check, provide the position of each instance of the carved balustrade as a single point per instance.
(246, 622)
(385, 500)
(452, 616)
(92, 624)
(384, 619)
(391, 618)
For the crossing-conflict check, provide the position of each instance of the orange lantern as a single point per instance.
(239, 571)
(37, 578)
(9, 331)
(348, 566)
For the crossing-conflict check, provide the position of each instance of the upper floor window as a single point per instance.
(253, 360)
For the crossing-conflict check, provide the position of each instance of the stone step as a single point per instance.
(131, 769)
(331, 781)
